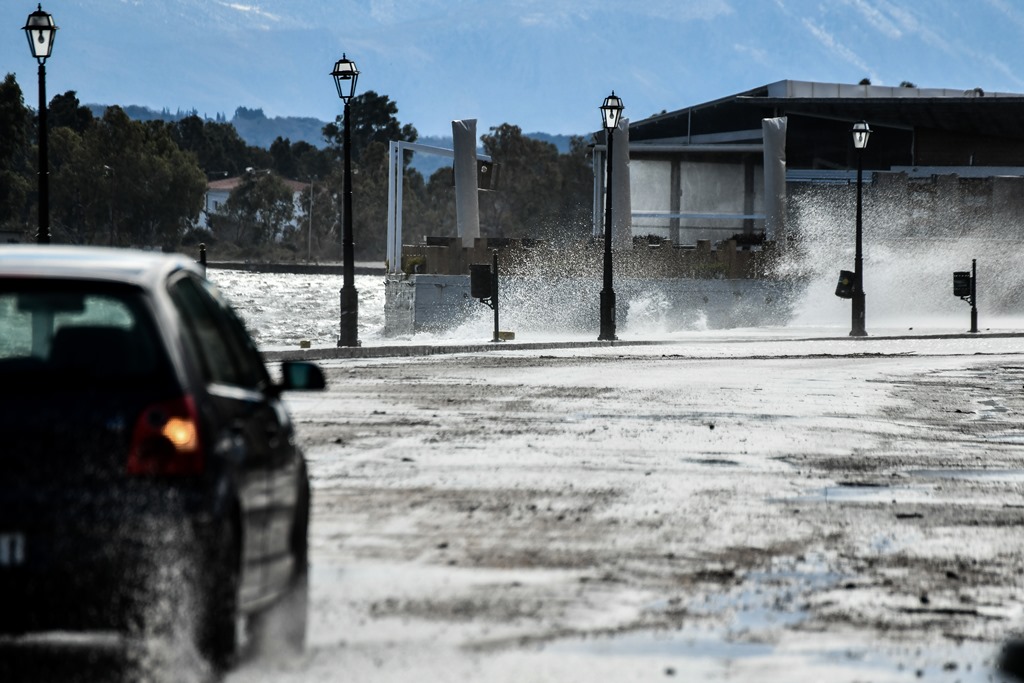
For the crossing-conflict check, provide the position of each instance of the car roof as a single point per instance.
(134, 266)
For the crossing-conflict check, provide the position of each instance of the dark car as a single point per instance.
(150, 484)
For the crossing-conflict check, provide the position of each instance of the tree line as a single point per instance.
(115, 180)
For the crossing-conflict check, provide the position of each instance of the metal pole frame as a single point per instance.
(974, 296)
(608, 293)
(494, 295)
(857, 310)
(492, 300)
(396, 184)
(43, 236)
(349, 296)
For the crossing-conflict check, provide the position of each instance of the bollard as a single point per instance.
(202, 256)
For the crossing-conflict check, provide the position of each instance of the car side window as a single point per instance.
(226, 353)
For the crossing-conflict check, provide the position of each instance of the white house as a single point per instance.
(217, 192)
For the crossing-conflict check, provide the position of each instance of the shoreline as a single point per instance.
(361, 268)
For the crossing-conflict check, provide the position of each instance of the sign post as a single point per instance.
(965, 286)
(483, 285)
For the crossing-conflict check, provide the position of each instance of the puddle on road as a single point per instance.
(754, 630)
(1008, 476)
(741, 623)
(992, 408)
(716, 462)
(696, 655)
(905, 494)
(1011, 437)
(686, 643)
(863, 493)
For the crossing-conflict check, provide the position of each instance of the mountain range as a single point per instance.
(258, 130)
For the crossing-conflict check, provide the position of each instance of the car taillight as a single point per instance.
(166, 440)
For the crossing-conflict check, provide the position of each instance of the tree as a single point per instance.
(300, 160)
(257, 210)
(65, 110)
(284, 160)
(370, 202)
(319, 218)
(15, 156)
(429, 207)
(219, 150)
(531, 181)
(576, 191)
(80, 200)
(373, 126)
(373, 120)
(311, 162)
(123, 182)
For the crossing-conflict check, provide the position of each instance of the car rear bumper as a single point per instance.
(101, 563)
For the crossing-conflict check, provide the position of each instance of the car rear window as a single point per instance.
(67, 332)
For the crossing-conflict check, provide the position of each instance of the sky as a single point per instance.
(543, 65)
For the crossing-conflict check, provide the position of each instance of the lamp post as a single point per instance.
(345, 75)
(611, 111)
(40, 31)
(861, 133)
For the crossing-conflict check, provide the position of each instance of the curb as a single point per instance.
(440, 349)
(326, 353)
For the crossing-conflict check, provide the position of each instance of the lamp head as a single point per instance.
(345, 76)
(611, 111)
(861, 132)
(40, 31)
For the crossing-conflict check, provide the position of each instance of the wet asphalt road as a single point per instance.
(771, 510)
(792, 510)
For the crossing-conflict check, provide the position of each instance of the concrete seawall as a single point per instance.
(432, 303)
(361, 268)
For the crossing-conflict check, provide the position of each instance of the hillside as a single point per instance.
(258, 130)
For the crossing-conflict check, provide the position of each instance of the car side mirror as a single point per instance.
(301, 375)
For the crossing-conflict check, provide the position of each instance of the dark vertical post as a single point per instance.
(675, 201)
(43, 236)
(607, 293)
(494, 295)
(349, 296)
(974, 295)
(857, 327)
(109, 172)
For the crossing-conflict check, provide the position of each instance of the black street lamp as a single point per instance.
(345, 75)
(40, 31)
(861, 133)
(611, 111)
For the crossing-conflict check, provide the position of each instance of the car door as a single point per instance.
(246, 422)
(284, 468)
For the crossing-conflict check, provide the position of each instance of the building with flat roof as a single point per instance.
(712, 171)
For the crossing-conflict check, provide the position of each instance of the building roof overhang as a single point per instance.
(996, 117)
(953, 111)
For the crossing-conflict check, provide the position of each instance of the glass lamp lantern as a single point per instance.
(345, 76)
(611, 111)
(40, 31)
(861, 132)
